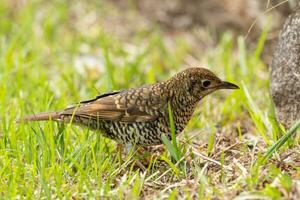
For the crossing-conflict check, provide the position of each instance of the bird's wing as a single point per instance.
(136, 105)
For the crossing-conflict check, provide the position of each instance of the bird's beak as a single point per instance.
(228, 85)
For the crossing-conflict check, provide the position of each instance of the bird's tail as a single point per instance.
(55, 116)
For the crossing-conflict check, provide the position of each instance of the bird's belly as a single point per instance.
(138, 133)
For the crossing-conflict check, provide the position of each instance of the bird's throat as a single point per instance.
(182, 109)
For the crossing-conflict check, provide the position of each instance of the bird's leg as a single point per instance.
(120, 148)
(129, 148)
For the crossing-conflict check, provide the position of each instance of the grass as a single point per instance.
(282, 140)
(172, 146)
(55, 54)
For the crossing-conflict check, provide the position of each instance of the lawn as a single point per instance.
(56, 54)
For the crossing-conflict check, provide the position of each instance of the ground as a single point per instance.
(59, 53)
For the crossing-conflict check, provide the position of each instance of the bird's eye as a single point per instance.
(206, 83)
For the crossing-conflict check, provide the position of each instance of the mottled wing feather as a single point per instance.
(135, 105)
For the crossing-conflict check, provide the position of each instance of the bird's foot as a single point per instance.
(143, 158)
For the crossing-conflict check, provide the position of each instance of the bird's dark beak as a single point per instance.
(228, 85)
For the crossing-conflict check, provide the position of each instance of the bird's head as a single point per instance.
(199, 82)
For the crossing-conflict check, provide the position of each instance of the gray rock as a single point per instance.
(285, 74)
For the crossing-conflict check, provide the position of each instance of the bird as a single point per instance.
(140, 116)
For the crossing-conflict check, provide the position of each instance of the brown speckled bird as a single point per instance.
(140, 116)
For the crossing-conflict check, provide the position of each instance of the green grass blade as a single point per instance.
(256, 114)
(172, 147)
(282, 141)
(261, 41)
(211, 143)
(172, 166)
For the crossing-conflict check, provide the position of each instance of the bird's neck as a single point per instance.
(182, 103)
(183, 107)
(179, 96)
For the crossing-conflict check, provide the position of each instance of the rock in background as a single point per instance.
(285, 74)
